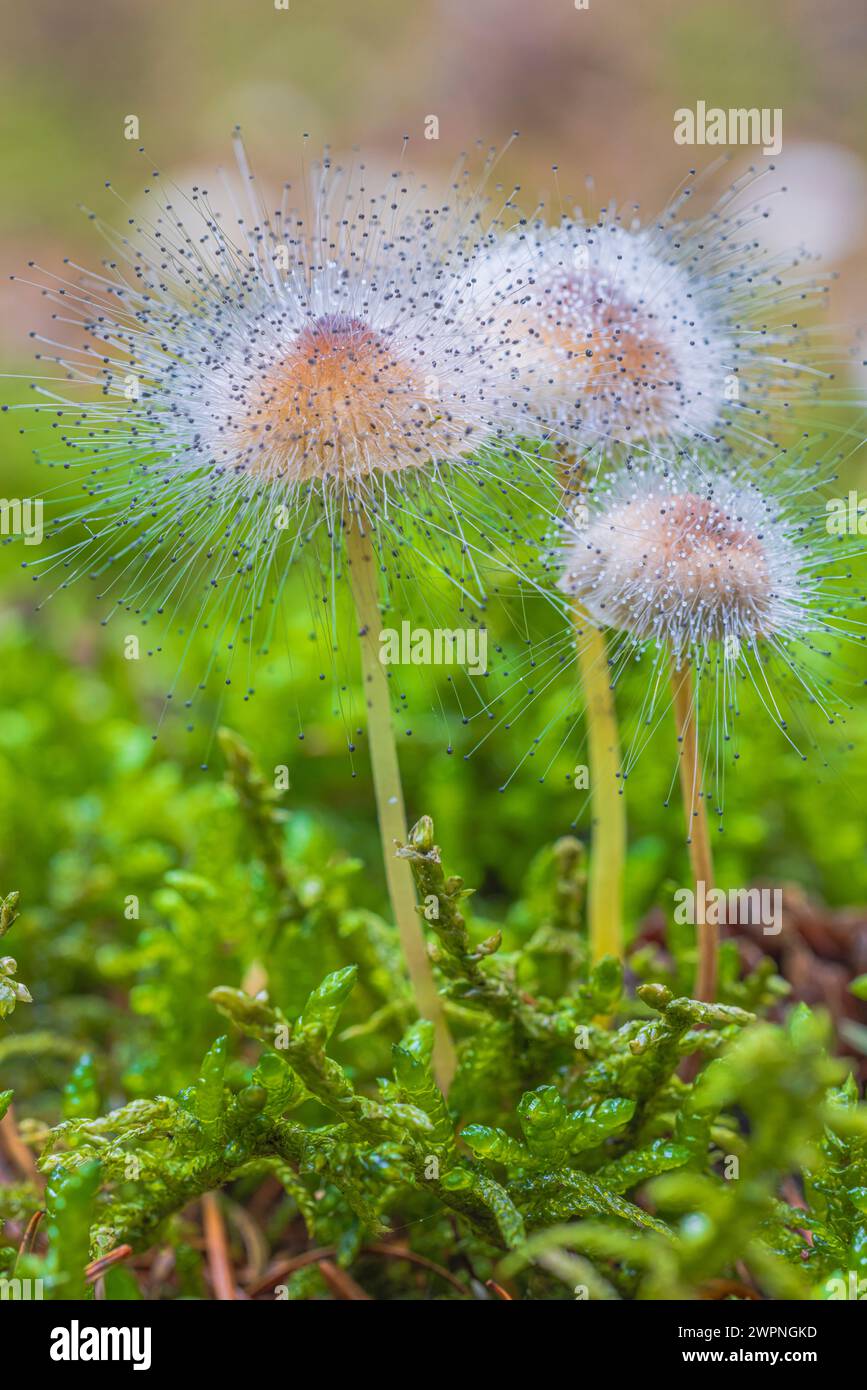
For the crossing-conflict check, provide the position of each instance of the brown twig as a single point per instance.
(289, 1265)
(97, 1268)
(391, 1252)
(30, 1234)
(727, 1288)
(283, 1268)
(341, 1284)
(219, 1260)
(18, 1150)
(498, 1290)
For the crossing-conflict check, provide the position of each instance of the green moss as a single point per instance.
(570, 1152)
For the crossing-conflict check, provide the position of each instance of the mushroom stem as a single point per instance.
(388, 791)
(607, 803)
(697, 836)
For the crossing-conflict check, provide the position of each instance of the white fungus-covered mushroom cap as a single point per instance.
(327, 346)
(688, 562)
(612, 339)
(682, 330)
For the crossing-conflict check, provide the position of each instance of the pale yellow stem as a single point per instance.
(607, 802)
(362, 567)
(607, 808)
(697, 836)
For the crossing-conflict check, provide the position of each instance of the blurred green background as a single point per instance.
(82, 783)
